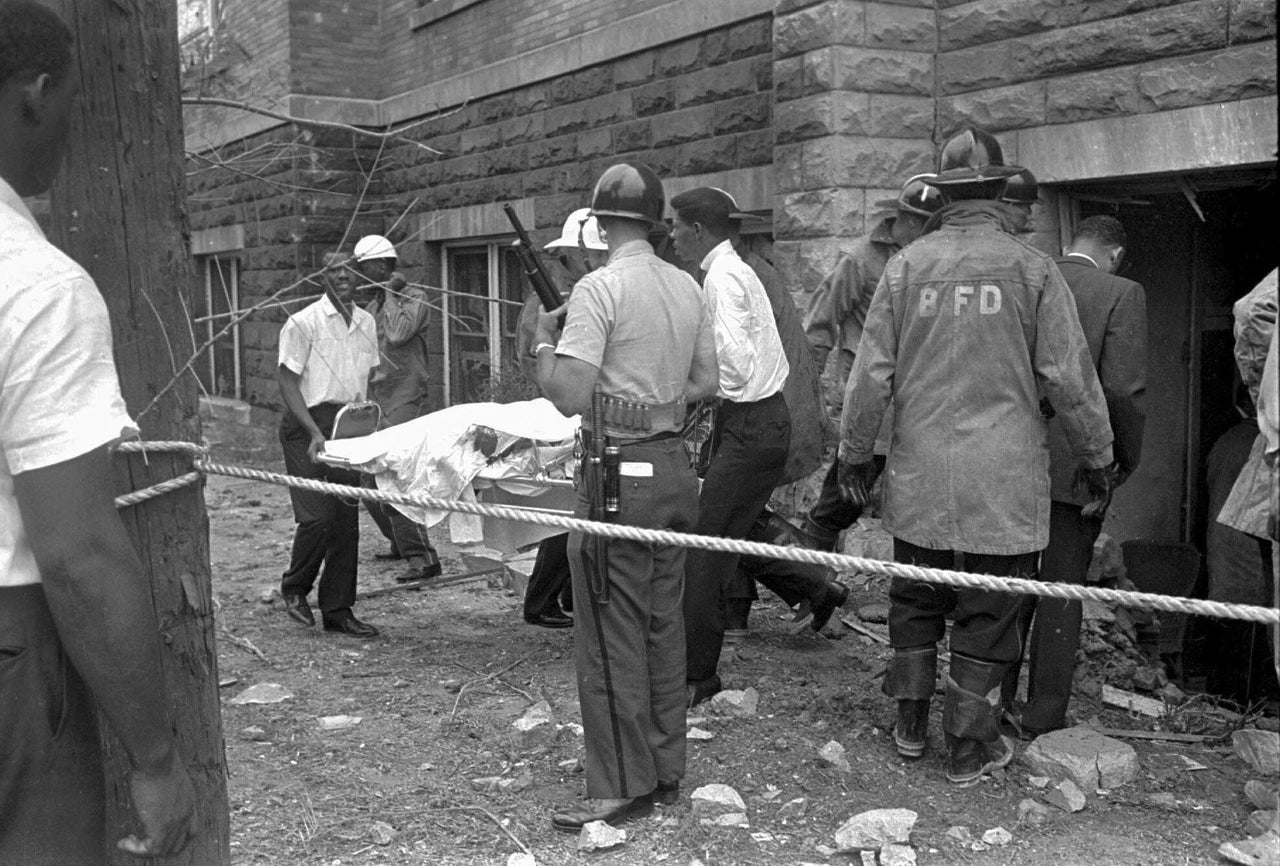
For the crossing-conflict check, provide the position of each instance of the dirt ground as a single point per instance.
(437, 693)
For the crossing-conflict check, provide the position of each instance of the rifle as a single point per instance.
(534, 270)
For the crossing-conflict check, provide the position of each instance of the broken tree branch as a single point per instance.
(396, 134)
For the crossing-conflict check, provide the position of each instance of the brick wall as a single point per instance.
(487, 32)
(1009, 65)
(337, 48)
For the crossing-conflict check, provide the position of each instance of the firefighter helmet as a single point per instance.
(916, 197)
(1021, 188)
(630, 191)
(374, 247)
(972, 156)
(580, 222)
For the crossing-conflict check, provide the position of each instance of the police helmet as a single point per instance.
(1021, 188)
(972, 156)
(630, 191)
(580, 221)
(916, 197)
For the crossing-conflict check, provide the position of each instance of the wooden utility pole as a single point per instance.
(118, 209)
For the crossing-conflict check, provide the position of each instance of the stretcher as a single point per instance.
(511, 454)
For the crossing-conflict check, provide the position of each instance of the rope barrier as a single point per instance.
(163, 487)
(838, 561)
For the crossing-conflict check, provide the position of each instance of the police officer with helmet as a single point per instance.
(636, 347)
(966, 330)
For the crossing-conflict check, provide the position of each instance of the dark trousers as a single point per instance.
(832, 511)
(986, 623)
(750, 457)
(328, 532)
(408, 537)
(1056, 637)
(550, 578)
(629, 652)
(52, 794)
(793, 582)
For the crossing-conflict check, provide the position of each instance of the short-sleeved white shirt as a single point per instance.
(59, 391)
(333, 358)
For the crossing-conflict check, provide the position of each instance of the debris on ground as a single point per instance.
(597, 836)
(339, 723)
(875, 829)
(794, 808)
(382, 833)
(740, 704)
(537, 726)
(699, 734)
(1259, 749)
(1034, 812)
(713, 800)
(521, 858)
(262, 693)
(1067, 796)
(876, 612)
(997, 837)
(1084, 756)
(833, 754)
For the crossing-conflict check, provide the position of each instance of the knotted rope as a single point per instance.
(663, 537)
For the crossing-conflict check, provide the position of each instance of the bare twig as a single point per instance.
(396, 134)
(476, 682)
(243, 643)
(494, 818)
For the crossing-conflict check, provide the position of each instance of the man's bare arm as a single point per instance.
(291, 392)
(103, 611)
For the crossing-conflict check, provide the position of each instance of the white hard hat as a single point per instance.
(374, 247)
(579, 220)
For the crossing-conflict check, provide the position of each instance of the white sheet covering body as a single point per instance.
(442, 454)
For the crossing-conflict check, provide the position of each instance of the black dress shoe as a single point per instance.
(609, 811)
(298, 609)
(701, 690)
(350, 625)
(835, 596)
(550, 620)
(667, 793)
(419, 570)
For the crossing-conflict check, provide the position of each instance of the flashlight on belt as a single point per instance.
(612, 465)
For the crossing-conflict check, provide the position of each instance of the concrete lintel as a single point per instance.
(472, 221)
(1185, 139)
(751, 188)
(222, 239)
(335, 109)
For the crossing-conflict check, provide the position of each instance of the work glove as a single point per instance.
(856, 480)
(1097, 484)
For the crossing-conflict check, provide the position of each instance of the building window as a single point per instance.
(220, 370)
(479, 329)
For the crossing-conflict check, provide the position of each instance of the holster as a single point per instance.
(912, 674)
(972, 708)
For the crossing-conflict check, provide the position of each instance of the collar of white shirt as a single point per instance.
(725, 246)
(1084, 256)
(9, 198)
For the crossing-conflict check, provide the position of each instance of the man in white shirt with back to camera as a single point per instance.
(753, 428)
(77, 622)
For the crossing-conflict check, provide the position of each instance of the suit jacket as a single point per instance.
(1113, 315)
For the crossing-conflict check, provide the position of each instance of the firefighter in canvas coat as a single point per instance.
(967, 329)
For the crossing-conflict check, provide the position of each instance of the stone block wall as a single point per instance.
(294, 191)
(695, 106)
(702, 104)
(853, 119)
(1009, 65)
